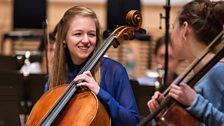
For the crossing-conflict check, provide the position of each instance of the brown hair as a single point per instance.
(159, 42)
(60, 68)
(205, 17)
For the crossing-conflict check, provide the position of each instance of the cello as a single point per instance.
(55, 106)
(170, 112)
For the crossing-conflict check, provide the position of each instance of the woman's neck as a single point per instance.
(195, 50)
(77, 61)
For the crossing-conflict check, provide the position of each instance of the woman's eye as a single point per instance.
(77, 34)
(92, 34)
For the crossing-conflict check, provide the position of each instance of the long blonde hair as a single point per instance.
(60, 67)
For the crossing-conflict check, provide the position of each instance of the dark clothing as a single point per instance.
(115, 92)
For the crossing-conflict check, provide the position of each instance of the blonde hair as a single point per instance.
(60, 67)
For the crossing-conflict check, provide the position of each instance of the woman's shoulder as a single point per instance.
(219, 67)
(217, 71)
(110, 62)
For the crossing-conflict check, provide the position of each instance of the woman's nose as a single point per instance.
(85, 38)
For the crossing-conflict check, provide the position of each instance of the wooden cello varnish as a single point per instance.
(176, 115)
(84, 109)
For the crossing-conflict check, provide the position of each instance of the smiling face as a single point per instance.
(81, 38)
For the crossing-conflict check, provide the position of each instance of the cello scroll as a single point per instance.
(134, 20)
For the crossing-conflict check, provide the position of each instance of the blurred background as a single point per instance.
(18, 15)
(21, 33)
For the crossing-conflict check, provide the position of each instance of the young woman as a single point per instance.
(77, 38)
(160, 60)
(195, 27)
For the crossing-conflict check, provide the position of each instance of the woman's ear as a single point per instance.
(185, 30)
(64, 44)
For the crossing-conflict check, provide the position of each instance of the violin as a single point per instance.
(69, 105)
(170, 112)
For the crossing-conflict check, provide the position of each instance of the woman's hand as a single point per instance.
(182, 93)
(155, 101)
(88, 81)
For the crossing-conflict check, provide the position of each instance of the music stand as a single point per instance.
(9, 114)
(142, 94)
(34, 88)
(14, 80)
(8, 63)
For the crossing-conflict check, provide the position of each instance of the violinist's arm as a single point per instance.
(205, 111)
(208, 105)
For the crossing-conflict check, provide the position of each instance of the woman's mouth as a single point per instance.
(83, 47)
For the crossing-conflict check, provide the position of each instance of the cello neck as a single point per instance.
(65, 98)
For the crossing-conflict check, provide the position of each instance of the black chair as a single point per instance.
(9, 114)
(34, 88)
(26, 90)
(8, 63)
(15, 81)
(142, 94)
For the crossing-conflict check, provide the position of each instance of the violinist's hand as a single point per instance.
(89, 81)
(182, 93)
(155, 101)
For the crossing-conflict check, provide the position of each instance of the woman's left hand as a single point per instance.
(182, 93)
(88, 81)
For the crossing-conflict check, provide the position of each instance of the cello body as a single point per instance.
(84, 109)
(176, 115)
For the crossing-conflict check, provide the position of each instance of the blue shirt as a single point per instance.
(115, 92)
(209, 103)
